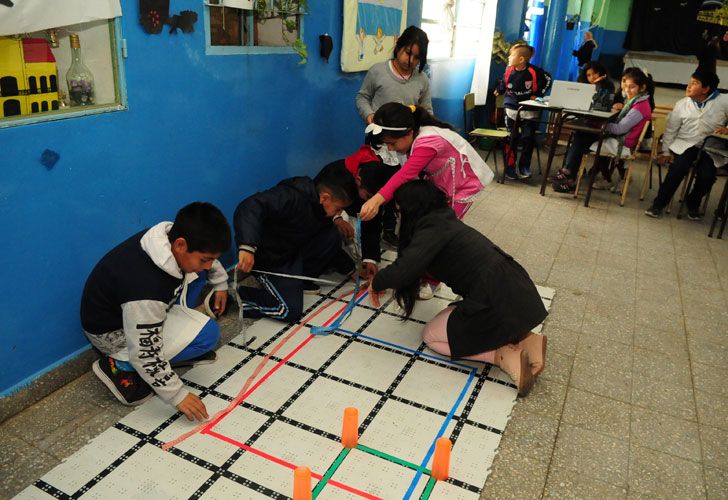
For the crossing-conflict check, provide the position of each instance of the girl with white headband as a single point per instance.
(435, 152)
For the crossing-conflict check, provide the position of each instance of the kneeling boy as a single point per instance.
(288, 229)
(134, 307)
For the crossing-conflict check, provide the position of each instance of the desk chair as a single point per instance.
(658, 128)
(628, 160)
(721, 213)
(499, 135)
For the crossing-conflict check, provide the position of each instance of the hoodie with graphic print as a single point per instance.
(125, 303)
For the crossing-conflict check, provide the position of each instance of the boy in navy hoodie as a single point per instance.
(134, 308)
(522, 81)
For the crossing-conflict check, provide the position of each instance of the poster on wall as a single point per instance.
(371, 28)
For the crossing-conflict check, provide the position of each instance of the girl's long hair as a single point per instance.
(415, 199)
(640, 78)
(394, 114)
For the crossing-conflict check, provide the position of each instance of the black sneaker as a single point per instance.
(204, 359)
(128, 387)
(390, 238)
(311, 288)
(694, 215)
(654, 212)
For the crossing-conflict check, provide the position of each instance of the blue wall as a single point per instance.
(214, 128)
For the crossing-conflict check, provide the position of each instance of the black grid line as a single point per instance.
(222, 471)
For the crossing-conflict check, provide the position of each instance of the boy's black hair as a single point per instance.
(413, 35)
(394, 114)
(595, 66)
(338, 181)
(707, 79)
(374, 175)
(203, 227)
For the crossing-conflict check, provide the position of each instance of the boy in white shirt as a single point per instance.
(693, 118)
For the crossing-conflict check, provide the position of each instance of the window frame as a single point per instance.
(231, 50)
(118, 54)
(453, 36)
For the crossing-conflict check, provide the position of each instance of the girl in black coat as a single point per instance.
(500, 305)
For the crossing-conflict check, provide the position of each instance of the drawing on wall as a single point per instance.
(371, 28)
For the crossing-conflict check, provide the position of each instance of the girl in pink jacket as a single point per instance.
(434, 151)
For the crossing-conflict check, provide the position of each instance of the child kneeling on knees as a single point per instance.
(500, 305)
(134, 308)
(288, 229)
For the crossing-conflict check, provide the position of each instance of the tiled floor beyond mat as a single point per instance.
(292, 415)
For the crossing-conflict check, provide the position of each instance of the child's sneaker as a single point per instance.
(128, 387)
(601, 184)
(524, 173)
(694, 214)
(617, 188)
(205, 359)
(427, 291)
(654, 212)
(310, 288)
(568, 186)
(511, 174)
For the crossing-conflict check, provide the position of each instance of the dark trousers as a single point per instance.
(705, 173)
(282, 298)
(580, 144)
(526, 139)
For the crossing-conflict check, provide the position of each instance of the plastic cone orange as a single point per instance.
(441, 460)
(350, 430)
(302, 483)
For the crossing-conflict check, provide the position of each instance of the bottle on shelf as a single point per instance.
(79, 78)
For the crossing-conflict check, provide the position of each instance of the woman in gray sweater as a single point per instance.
(500, 304)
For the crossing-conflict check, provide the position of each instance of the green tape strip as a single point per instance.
(428, 488)
(320, 486)
(391, 458)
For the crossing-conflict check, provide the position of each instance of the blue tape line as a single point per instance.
(407, 349)
(325, 330)
(416, 479)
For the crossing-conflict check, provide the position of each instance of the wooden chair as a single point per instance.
(658, 128)
(628, 162)
(499, 135)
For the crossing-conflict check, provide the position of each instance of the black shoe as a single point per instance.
(390, 238)
(128, 387)
(204, 359)
(654, 212)
(567, 186)
(310, 288)
(694, 214)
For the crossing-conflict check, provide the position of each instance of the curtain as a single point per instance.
(27, 16)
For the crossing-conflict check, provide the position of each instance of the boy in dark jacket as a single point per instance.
(134, 308)
(288, 229)
(522, 81)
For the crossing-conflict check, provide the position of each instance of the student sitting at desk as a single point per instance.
(694, 117)
(522, 82)
(624, 132)
(595, 73)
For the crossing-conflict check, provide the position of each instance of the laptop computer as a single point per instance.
(572, 95)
